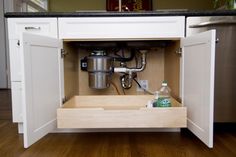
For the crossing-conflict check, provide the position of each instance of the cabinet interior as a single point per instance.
(163, 63)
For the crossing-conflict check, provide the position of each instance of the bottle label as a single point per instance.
(162, 102)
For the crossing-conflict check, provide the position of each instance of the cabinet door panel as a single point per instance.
(198, 64)
(41, 85)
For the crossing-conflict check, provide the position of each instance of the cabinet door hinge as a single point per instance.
(63, 100)
(179, 51)
(63, 53)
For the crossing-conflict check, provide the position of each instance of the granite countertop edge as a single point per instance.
(120, 14)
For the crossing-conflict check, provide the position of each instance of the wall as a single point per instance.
(73, 5)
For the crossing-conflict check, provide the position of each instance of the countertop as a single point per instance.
(119, 14)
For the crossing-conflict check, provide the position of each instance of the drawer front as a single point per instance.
(17, 102)
(133, 28)
(174, 117)
(40, 26)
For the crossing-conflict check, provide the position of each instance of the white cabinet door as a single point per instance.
(41, 85)
(198, 83)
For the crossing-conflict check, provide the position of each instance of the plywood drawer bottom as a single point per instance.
(118, 112)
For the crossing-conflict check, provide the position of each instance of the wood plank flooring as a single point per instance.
(5, 104)
(182, 144)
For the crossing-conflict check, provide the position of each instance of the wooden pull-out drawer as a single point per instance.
(119, 112)
(118, 28)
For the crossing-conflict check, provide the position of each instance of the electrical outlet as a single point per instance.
(144, 84)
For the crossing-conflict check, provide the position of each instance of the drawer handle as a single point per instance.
(32, 28)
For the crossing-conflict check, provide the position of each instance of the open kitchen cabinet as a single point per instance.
(162, 62)
(46, 82)
(105, 108)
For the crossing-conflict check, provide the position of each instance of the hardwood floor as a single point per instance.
(182, 144)
(5, 104)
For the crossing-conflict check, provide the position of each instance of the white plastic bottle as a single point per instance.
(163, 98)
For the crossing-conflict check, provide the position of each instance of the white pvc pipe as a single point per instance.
(132, 70)
(120, 70)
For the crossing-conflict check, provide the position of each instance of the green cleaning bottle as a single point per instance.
(162, 97)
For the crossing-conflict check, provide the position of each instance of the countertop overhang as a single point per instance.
(120, 14)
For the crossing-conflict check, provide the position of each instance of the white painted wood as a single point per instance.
(118, 28)
(15, 62)
(46, 26)
(198, 84)
(41, 85)
(20, 128)
(17, 107)
(16, 26)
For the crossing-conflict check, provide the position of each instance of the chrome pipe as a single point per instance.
(127, 82)
(133, 70)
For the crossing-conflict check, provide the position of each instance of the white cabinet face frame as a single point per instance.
(121, 28)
